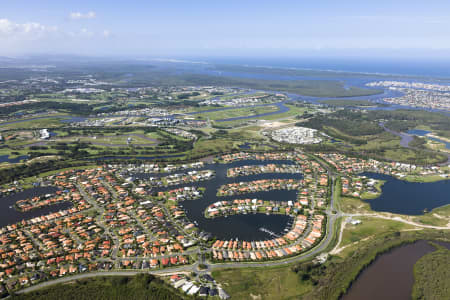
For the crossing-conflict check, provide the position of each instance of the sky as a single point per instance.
(173, 28)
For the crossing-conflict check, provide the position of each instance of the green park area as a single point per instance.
(238, 112)
(361, 132)
(273, 283)
(369, 228)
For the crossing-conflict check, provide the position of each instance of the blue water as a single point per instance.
(349, 72)
(409, 198)
(5, 158)
(243, 227)
(420, 132)
(9, 215)
(245, 146)
(394, 67)
(447, 144)
(74, 119)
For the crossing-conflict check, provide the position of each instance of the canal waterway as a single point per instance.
(10, 215)
(409, 198)
(243, 227)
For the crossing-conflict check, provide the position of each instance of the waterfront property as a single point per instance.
(150, 216)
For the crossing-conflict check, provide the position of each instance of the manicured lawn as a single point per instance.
(117, 140)
(38, 123)
(245, 133)
(207, 146)
(294, 111)
(238, 112)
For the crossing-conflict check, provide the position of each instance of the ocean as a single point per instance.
(433, 67)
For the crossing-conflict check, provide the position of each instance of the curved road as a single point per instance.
(190, 268)
(324, 243)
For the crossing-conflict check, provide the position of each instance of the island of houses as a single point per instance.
(131, 216)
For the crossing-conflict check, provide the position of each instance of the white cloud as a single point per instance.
(30, 30)
(85, 32)
(78, 15)
(81, 33)
(34, 37)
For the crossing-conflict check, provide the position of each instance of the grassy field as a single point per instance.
(420, 178)
(246, 134)
(107, 142)
(236, 123)
(238, 112)
(369, 228)
(439, 216)
(117, 140)
(354, 205)
(195, 109)
(327, 281)
(205, 147)
(38, 123)
(293, 112)
(60, 98)
(267, 283)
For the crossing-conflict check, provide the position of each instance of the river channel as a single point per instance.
(391, 275)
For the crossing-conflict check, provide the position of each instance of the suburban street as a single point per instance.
(208, 267)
